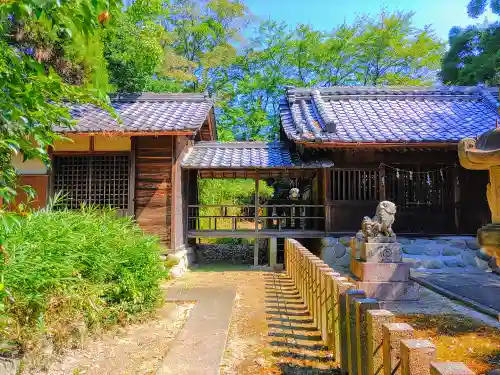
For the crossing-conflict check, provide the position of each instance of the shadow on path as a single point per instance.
(294, 342)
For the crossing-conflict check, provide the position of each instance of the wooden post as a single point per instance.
(273, 251)
(256, 203)
(456, 198)
(256, 252)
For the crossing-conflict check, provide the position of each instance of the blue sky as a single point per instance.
(325, 14)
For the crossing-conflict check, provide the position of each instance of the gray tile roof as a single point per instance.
(382, 115)
(144, 113)
(244, 155)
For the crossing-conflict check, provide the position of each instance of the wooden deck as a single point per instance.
(265, 233)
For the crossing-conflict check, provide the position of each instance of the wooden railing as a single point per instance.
(255, 218)
(365, 339)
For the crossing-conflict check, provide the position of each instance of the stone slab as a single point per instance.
(389, 290)
(478, 290)
(380, 271)
(381, 252)
(199, 347)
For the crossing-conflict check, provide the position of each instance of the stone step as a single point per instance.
(381, 252)
(365, 271)
(389, 290)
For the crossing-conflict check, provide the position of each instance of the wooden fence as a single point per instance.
(365, 339)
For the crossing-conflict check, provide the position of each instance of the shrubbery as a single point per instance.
(66, 269)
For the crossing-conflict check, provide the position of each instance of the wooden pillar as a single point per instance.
(256, 252)
(256, 216)
(256, 203)
(456, 199)
(326, 197)
(273, 251)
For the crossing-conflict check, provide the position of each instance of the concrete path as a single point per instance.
(200, 345)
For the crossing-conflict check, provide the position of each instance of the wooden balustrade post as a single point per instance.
(393, 334)
(352, 353)
(326, 313)
(416, 357)
(311, 295)
(362, 306)
(375, 320)
(305, 277)
(318, 266)
(273, 251)
(313, 261)
(321, 301)
(450, 368)
(300, 272)
(340, 287)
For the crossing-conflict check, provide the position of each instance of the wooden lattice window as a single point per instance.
(98, 179)
(355, 184)
(412, 186)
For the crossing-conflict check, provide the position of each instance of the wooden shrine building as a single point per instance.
(341, 151)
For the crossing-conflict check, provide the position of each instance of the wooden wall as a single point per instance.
(153, 185)
(463, 208)
(40, 183)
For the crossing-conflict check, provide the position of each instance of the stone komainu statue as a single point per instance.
(381, 224)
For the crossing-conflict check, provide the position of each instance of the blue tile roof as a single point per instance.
(382, 115)
(146, 112)
(245, 155)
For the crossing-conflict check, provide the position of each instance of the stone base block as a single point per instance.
(380, 271)
(381, 252)
(389, 290)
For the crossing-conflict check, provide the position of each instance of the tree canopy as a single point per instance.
(473, 57)
(477, 7)
(59, 51)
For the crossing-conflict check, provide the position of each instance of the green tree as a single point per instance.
(394, 52)
(41, 70)
(204, 44)
(473, 56)
(134, 43)
(385, 50)
(477, 7)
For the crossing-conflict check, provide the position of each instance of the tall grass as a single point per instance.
(71, 268)
(229, 192)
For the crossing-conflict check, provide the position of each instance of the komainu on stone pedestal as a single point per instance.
(379, 229)
(379, 271)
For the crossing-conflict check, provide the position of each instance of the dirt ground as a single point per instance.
(133, 350)
(459, 339)
(270, 332)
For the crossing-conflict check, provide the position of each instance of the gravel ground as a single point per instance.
(133, 350)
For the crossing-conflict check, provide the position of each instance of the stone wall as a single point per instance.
(234, 253)
(439, 253)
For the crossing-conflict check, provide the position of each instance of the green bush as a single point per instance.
(69, 268)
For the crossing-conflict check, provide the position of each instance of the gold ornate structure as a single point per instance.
(484, 154)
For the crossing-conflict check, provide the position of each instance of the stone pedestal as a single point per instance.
(381, 273)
